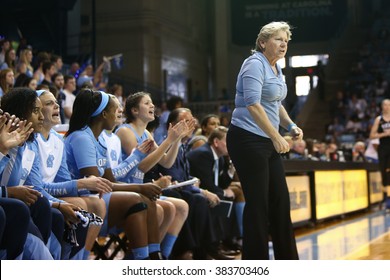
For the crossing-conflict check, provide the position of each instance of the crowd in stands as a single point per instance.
(354, 107)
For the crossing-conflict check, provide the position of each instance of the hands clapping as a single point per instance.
(182, 129)
(13, 131)
(147, 146)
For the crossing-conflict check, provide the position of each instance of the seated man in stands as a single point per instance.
(358, 152)
(298, 150)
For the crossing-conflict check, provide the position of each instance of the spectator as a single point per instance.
(41, 58)
(26, 57)
(299, 150)
(57, 61)
(20, 80)
(338, 106)
(58, 82)
(74, 68)
(117, 90)
(358, 152)
(69, 88)
(7, 80)
(207, 125)
(31, 83)
(48, 70)
(21, 68)
(9, 60)
(5, 46)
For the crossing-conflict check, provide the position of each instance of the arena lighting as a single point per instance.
(308, 60)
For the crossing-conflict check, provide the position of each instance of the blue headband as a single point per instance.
(102, 105)
(40, 92)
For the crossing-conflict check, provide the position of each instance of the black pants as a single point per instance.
(267, 210)
(47, 220)
(16, 224)
(57, 223)
(42, 218)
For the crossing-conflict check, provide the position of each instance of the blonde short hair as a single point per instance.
(217, 133)
(268, 30)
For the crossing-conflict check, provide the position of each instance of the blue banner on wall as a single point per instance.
(313, 20)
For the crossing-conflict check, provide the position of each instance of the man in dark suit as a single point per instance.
(215, 173)
(207, 161)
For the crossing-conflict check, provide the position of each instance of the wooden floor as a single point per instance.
(362, 236)
(378, 249)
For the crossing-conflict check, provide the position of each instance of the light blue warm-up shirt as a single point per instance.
(123, 168)
(137, 175)
(257, 83)
(83, 150)
(24, 169)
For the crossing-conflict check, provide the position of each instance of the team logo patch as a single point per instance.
(113, 155)
(50, 161)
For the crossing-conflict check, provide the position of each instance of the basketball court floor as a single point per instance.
(358, 237)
